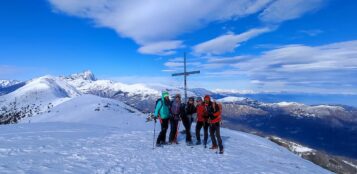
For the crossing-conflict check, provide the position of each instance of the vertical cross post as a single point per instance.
(185, 74)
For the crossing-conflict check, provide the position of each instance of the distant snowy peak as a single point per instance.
(7, 83)
(289, 104)
(36, 96)
(233, 91)
(231, 99)
(86, 75)
(201, 91)
(298, 109)
(54, 85)
(43, 89)
(111, 88)
(80, 79)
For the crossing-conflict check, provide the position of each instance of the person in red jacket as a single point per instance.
(201, 122)
(215, 119)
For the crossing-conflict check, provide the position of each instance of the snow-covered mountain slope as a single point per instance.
(89, 109)
(231, 99)
(139, 95)
(143, 96)
(77, 137)
(110, 89)
(42, 89)
(36, 96)
(7, 83)
(298, 109)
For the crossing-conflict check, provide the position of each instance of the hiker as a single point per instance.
(201, 122)
(177, 109)
(207, 105)
(215, 119)
(162, 112)
(187, 118)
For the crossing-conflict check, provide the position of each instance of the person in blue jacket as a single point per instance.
(162, 111)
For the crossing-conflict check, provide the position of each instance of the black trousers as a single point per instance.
(199, 126)
(164, 126)
(173, 129)
(215, 132)
(186, 120)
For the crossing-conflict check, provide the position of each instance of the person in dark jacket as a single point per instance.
(177, 109)
(208, 110)
(187, 118)
(215, 119)
(201, 122)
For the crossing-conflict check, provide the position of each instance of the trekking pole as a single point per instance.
(153, 140)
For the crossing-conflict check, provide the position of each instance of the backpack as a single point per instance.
(157, 101)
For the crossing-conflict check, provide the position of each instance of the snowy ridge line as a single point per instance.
(82, 139)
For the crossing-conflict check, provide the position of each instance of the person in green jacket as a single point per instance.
(162, 111)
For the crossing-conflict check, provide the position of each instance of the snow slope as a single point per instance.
(40, 93)
(231, 99)
(89, 134)
(7, 83)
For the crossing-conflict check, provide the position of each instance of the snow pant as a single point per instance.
(205, 126)
(186, 120)
(173, 132)
(215, 132)
(164, 126)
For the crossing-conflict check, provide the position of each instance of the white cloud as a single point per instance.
(168, 70)
(227, 43)
(314, 32)
(331, 67)
(211, 63)
(150, 21)
(283, 10)
(161, 48)
(175, 64)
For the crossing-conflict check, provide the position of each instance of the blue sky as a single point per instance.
(251, 45)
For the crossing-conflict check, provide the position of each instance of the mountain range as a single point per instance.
(92, 134)
(329, 128)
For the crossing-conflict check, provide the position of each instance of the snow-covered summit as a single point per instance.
(231, 99)
(299, 109)
(48, 86)
(36, 96)
(7, 83)
(110, 88)
(86, 75)
(233, 91)
(80, 79)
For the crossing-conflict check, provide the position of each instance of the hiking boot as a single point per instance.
(221, 151)
(214, 147)
(158, 145)
(198, 142)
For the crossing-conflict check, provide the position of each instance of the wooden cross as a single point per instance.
(185, 74)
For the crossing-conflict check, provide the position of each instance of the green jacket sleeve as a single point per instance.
(157, 109)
